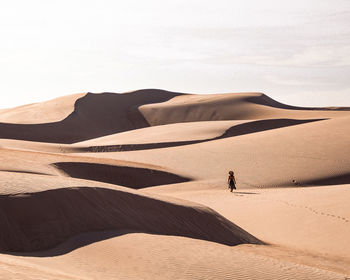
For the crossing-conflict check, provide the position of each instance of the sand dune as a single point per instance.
(133, 186)
(36, 221)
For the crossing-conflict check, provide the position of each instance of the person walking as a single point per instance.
(231, 181)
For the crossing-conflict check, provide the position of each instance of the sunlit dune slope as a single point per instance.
(164, 133)
(34, 146)
(196, 130)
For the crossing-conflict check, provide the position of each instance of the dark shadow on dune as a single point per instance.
(132, 177)
(235, 192)
(134, 147)
(26, 172)
(268, 101)
(237, 130)
(262, 125)
(42, 220)
(335, 180)
(94, 115)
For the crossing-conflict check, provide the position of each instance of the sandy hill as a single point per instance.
(133, 186)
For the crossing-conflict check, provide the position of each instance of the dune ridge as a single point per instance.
(235, 106)
(236, 130)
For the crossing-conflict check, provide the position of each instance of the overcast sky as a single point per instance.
(297, 52)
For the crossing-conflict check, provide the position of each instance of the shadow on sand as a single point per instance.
(131, 177)
(245, 193)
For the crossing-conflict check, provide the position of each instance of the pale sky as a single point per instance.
(297, 52)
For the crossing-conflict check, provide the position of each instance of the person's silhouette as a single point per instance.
(231, 180)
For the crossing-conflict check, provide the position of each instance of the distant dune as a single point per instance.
(134, 186)
(97, 115)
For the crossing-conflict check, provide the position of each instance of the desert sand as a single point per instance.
(134, 186)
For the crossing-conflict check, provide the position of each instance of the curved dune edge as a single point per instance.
(236, 130)
(127, 176)
(166, 133)
(38, 221)
(170, 135)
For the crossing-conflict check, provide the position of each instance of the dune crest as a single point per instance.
(228, 106)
